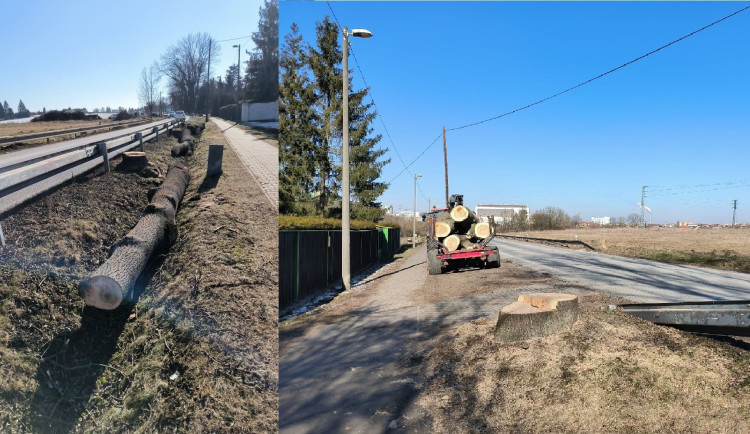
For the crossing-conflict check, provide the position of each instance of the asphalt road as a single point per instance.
(637, 279)
(24, 155)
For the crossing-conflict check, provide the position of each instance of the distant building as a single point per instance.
(601, 220)
(501, 213)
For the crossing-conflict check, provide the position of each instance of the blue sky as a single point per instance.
(678, 121)
(61, 54)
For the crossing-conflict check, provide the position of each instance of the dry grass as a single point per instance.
(727, 249)
(610, 373)
(15, 129)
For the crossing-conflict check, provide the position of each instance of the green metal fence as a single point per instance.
(310, 260)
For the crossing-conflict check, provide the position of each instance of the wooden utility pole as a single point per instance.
(445, 156)
(208, 76)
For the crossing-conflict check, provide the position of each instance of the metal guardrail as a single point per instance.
(548, 240)
(28, 173)
(49, 134)
(727, 317)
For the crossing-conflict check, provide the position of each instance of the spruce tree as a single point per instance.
(8, 110)
(326, 67)
(2, 112)
(22, 111)
(364, 159)
(262, 72)
(296, 127)
(365, 167)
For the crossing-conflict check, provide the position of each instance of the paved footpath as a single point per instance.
(261, 158)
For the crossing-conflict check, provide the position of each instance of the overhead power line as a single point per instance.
(580, 84)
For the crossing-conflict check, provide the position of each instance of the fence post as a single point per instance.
(139, 137)
(156, 130)
(102, 146)
(2, 237)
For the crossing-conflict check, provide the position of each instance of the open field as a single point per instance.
(727, 249)
(11, 129)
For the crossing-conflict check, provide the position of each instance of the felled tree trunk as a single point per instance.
(183, 148)
(480, 230)
(114, 281)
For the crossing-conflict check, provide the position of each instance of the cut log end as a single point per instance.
(482, 230)
(442, 229)
(101, 292)
(452, 242)
(459, 213)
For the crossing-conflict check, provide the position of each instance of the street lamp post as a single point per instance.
(345, 241)
(414, 232)
(239, 108)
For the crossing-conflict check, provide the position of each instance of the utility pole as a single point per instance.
(345, 241)
(734, 212)
(208, 80)
(239, 107)
(445, 157)
(414, 229)
(643, 204)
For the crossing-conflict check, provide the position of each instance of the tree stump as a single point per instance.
(114, 281)
(133, 160)
(536, 315)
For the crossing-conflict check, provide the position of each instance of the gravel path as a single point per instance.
(261, 159)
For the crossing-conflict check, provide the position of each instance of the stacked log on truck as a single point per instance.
(461, 229)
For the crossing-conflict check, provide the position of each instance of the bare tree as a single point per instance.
(149, 86)
(186, 63)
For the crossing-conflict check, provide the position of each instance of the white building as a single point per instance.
(601, 220)
(500, 212)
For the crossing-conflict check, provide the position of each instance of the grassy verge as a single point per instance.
(609, 373)
(198, 352)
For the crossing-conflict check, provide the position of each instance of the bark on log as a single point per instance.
(114, 281)
(183, 148)
(536, 315)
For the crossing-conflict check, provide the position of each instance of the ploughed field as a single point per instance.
(197, 351)
(726, 248)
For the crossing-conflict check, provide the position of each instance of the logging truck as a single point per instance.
(457, 238)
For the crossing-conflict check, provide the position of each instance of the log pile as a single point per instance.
(114, 281)
(460, 228)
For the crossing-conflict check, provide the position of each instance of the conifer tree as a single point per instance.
(365, 163)
(2, 112)
(325, 62)
(297, 130)
(8, 110)
(22, 111)
(262, 71)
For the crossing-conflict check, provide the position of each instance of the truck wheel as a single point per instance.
(434, 265)
(431, 244)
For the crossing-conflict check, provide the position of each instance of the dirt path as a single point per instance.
(354, 366)
(261, 158)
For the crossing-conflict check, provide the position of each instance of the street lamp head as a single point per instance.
(419, 176)
(362, 33)
(235, 46)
